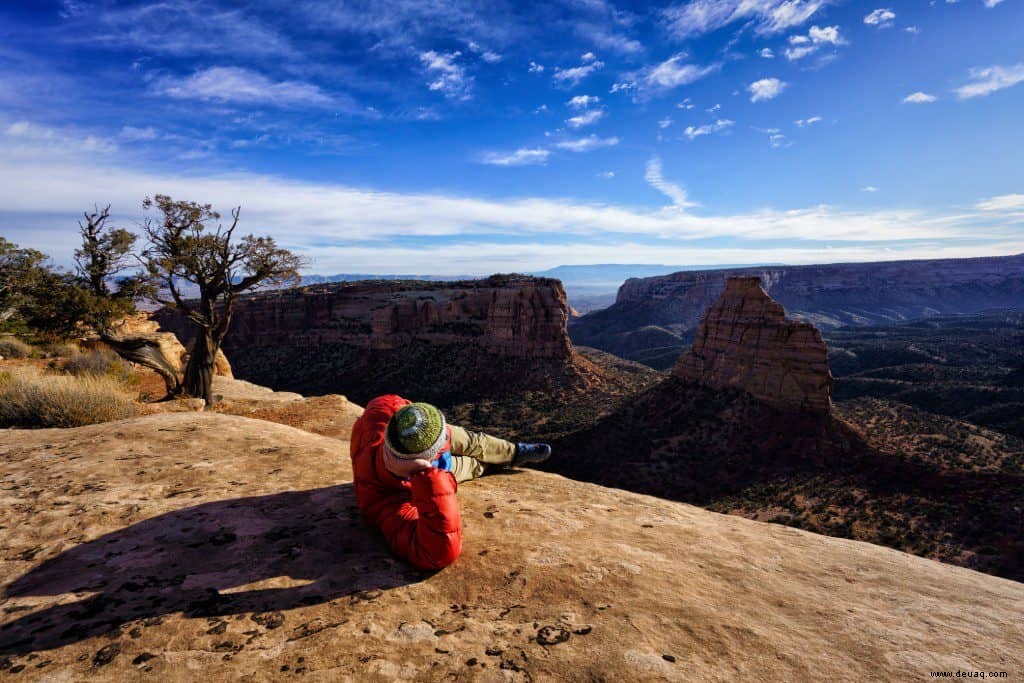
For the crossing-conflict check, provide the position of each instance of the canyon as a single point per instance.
(479, 348)
(654, 318)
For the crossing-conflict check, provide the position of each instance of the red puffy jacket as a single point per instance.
(419, 516)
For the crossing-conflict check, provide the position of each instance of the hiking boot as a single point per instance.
(530, 454)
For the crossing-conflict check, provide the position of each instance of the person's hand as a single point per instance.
(403, 468)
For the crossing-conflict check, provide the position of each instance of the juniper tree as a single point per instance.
(188, 244)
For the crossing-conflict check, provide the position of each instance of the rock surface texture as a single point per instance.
(745, 342)
(660, 313)
(194, 545)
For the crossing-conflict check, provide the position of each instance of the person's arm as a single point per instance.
(426, 531)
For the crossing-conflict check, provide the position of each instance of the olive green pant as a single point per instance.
(473, 451)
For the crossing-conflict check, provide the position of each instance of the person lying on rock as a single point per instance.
(407, 463)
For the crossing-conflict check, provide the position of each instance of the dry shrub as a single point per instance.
(12, 347)
(99, 364)
(61, 350)
(29, 398)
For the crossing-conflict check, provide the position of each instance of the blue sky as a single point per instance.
(473, 137)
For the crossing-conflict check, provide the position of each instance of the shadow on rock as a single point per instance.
(308, 547)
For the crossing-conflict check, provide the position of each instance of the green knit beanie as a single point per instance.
(416, 431)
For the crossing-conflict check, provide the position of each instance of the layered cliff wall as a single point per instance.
(845, 293)
(653, 318)
(431, 338)
(745, 342)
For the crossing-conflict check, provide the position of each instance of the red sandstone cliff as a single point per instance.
(745, 342)
(430, 339)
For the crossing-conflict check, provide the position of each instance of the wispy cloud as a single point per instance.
(1003, 202)
(56, 139)
(697, 17)
(447, 76)
(985, 81)
(587, 144)
(520, 157)
(236, 85)
(653, 176)
(573, 75)
(585, 119)
(694, 132)
(675, 72)
(306, 216)
(766, 89)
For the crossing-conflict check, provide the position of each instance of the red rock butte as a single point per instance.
(745, 342)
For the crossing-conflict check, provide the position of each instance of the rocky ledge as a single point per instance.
(745, 342)
(197, 545)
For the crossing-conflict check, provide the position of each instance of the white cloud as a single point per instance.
(653, 176)
(713, 109)
(673, 73)
(882, 18)
(869, 188)
(697, 17)
(236, 85)
(776, 140)
(664, 123)
(985, 81)
(810, 121)
(992, 3)
(588, 57)
(583, 101)
(585, 119)
(766, 89)
(767, 53)
(694, 132)
(913, 30)
(521, 157)
(685, 104)
(607, 175)
(587, 144)
(489, 56)
(536, 68)
(575, 74)
(623, 86)
(316, 220)
(449, 78)
(919, 98)
(1004, 202)
(817, 37)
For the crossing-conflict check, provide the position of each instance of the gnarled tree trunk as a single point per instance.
(146, 352)
(199, 370)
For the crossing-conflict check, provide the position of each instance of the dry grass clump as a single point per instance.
(30, 398)
(12, 347)
(98, 364)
